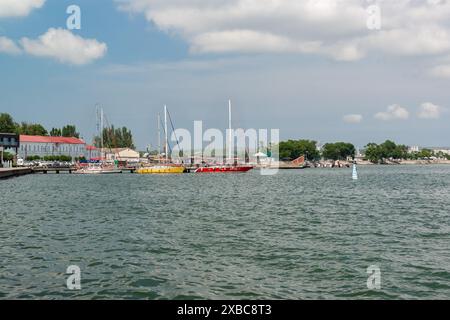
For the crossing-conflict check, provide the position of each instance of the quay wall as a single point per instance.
(13, 172)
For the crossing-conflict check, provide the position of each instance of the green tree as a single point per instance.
(55, 132)
(70, 131)
(293, 149)
(373, 152)
(8, 156)
(115, 138)
(7, 124)
(425, 153)
(126, 138)
(390, 150)
(32, 129)
(387, 150)
(338, 151)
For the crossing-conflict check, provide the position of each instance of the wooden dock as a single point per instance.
(45, 170)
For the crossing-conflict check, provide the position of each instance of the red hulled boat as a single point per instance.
(226, 167)
(218, 169)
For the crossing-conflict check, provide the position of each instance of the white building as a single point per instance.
(412, 149)
(121, 154)
(441, 150)
(92, 153)
(51, 146)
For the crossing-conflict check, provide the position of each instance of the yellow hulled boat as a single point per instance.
(160, 169)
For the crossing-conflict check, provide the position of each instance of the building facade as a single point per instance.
(8, 141)
(445, 150)
(92, 153)
(121, 154)
(43, 146)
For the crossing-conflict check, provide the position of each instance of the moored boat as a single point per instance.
(235, 167)
(164, 166)
(218, 169)
(98, 170)
(102, 166)
(160, 169)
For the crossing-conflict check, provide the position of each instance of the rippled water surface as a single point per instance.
(304, 234)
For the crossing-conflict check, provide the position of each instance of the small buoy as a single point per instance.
(355, 172)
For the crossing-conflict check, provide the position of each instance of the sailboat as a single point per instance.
(98, 169)
(226, 167)
(167, 167)
(102, 167)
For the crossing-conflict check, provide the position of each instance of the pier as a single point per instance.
(14, 172)
(45, 170)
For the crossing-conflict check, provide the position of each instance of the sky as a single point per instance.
(330, 70)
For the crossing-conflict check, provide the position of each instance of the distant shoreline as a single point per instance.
(348, 164)
(399, 163)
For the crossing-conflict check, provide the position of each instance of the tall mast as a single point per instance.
(101, 130)
(159, 134)
(165, 129)
(229, 131)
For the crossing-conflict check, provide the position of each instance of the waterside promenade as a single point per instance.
(14, 172)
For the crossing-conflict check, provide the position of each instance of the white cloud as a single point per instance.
(353, 118)
(429, 110)
(8, 46)
(422, 40)
(18, 8)
(65, 46)
(441, 71)
(326, 27)
(393, 112)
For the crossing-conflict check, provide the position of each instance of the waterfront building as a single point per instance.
(121, 154)
(43, 146)
(8, 141)
(442, 150)
(92, 153)
(413, 149)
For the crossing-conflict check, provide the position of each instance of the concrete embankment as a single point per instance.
(14, 172)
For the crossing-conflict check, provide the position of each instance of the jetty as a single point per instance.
(56, 170)
(14, 172)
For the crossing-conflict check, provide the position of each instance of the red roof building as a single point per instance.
(90, 148)
(46, 139)
(43, 146)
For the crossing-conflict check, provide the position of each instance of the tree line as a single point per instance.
(389, 150)
(60, 158)
(292, 149)
(8, 125)
(112, 137)
(375, 153)
(115, 138)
